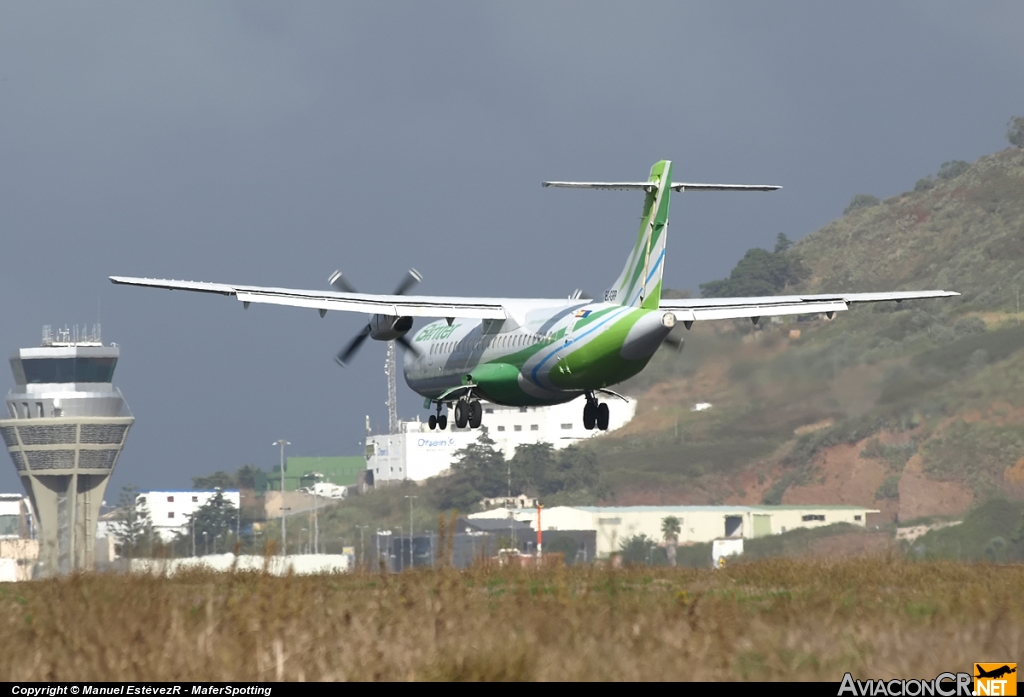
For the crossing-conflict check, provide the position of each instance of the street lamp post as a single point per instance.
(362, 546)
(284, 531)
(411, 557)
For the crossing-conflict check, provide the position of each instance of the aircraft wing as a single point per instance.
(394, 305)
(700, 309)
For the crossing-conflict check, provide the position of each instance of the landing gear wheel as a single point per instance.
(602, 416)
(442, 421)
(461, 413)
(589, 415)
(432, 422)
(476, 414)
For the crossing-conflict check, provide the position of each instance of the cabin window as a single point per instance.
(488, 411)
(170, 499)
(566, 427)
(195, 499)
(518, 428)
(534, 427)
(171, 514)
(501, 428)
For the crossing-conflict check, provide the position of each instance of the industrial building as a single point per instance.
(417, 453)
(170, 511)
(66, 429)
(476, 539)
(614, 524)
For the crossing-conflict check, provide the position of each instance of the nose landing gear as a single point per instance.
(439, 420)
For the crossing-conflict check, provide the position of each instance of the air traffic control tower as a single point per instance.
(66, 429)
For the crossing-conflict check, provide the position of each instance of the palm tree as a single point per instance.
(670, 529)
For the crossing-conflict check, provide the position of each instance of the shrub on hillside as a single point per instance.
(924, 184)
(952, 169)
(889, 488)
(861, 201)
(969, 325)
(1015, 131)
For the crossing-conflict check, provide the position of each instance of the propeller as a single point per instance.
(341, 284)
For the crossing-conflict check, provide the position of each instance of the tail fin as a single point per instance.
(639, 284)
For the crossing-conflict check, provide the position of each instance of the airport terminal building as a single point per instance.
(417, 453)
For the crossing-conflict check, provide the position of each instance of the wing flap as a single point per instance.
(699, 309)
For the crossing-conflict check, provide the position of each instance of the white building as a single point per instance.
(614, 524)
(169, 511)
(16, 521)
(418, 453)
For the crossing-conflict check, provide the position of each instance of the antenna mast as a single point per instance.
(390, 369)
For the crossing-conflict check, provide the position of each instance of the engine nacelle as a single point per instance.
(389, 327)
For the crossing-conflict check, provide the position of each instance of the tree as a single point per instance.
(952, 169)
(1015, 131)
(480, 471)
(133, 532)
(860, 201)
(214, 519)
(577, 468)
(782, 243)
(217, 480)
(670, 528)
(535, 469)
(245, 477)
(636, 550)
(760, 272)
(923, 184)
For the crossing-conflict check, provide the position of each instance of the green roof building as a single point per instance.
(302, 472)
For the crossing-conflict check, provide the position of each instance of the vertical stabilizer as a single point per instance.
(639, 284)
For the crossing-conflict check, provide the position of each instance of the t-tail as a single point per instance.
(639, 284)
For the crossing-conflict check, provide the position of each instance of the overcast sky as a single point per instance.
(273, 142)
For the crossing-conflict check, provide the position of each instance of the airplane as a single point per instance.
(541, 351)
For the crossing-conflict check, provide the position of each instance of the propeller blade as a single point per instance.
(409, 346)
(412, 277)
(346, 354)
(340, 283)
(675, 343)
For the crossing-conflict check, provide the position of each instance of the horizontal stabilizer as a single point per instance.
(649, 186)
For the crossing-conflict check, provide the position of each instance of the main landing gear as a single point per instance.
(466, 412)
(595, 414)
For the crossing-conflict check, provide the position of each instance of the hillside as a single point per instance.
(916, 407)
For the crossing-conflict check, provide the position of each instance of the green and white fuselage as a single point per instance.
(556, 355)
(526, 352)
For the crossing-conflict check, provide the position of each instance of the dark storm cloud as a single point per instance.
(270, 143)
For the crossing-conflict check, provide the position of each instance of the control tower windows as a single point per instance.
(79, 369)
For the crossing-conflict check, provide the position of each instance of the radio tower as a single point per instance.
(391, 369)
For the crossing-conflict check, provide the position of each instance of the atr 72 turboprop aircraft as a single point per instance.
(531, 352)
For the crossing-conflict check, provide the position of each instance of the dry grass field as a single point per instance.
(780, 619)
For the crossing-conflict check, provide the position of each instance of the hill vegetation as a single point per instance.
(917, 407)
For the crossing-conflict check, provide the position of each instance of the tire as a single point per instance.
(589, 416)
(442, 421)
(476, 414)
(461, 413)
(432, 422)
(602, 416)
